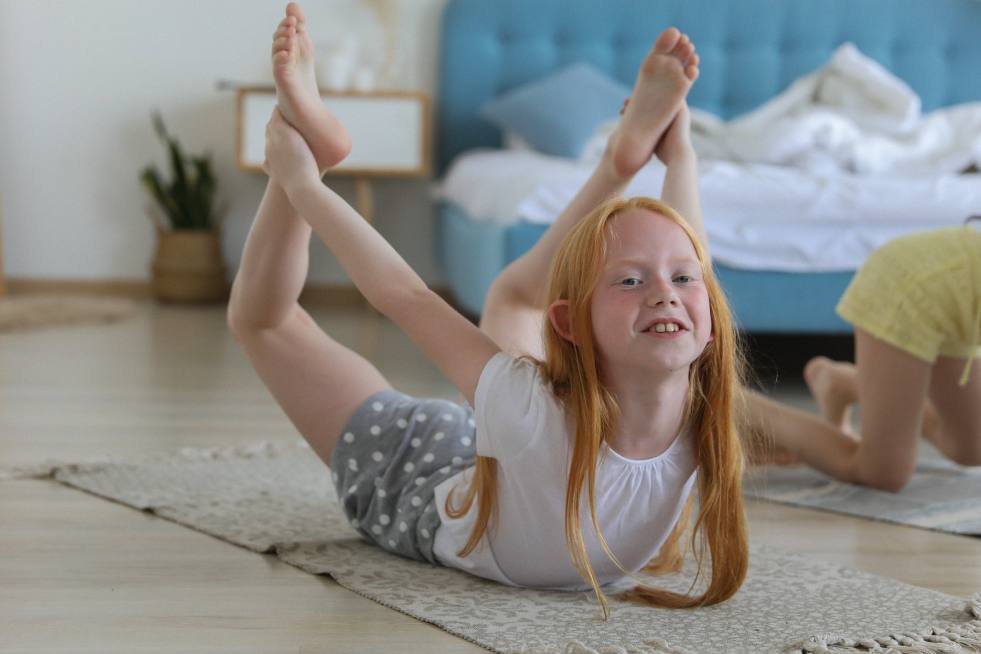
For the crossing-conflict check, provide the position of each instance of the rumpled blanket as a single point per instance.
(852, 115)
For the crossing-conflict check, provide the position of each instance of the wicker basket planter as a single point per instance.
(188, 266)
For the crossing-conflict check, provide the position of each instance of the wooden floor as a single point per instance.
(81, 574)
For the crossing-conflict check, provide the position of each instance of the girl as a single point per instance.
(627, 395)
(916, 308)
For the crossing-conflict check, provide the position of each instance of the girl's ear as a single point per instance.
(558, 315)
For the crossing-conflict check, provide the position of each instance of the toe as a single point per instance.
(812, 367)
(667, 40)
(691, 67)
(283, 46)
(293, 9)
(281, 58)
(684, 52)
(683, 49)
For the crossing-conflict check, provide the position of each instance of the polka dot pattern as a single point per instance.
(394, 452)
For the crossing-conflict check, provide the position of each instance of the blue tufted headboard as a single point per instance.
(750, 49)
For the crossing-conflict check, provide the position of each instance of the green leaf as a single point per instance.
(187, 199)
(150, 179)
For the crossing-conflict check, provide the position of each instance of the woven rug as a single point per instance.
(32, 312)
(279, 499)
(941, 495)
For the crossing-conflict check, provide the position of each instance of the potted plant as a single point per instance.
(188, 265)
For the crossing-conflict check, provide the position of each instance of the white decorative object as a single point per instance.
(387, 14)
(364, 79)
(338, 63)
(336, 71)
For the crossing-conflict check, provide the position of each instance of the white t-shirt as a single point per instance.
(522, 425)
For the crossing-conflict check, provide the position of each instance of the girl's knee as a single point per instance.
(891, 479)
(969, 453)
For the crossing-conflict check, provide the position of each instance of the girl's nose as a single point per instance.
(662, 293)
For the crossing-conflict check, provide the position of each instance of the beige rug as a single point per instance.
(941, 495)
(34, 311)
(274, 498)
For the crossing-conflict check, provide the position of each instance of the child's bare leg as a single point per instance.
(833, 386)
(957, 428)
(892, 386)
(892, 391)
(317, 381)
(663, 81)
(297, 94)
(779, 430)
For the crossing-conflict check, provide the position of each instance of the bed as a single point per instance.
(751, 50)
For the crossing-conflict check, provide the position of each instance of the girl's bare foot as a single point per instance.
(296, 91)
(662, 84)
(832, 385)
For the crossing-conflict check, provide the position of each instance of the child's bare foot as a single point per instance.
(662, 84)
(296, 91)
(832, 385)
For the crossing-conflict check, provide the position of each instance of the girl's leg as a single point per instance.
(317, 381)
(957, 428)
(834, 386)
(779, 432)
(891, 388)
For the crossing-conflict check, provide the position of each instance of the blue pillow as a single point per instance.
(557, 114)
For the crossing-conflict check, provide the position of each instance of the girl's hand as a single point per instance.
(289, 160)
(676, 140)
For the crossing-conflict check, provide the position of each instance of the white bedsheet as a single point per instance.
(757, 216)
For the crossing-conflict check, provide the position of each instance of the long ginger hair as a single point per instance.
(573, 371)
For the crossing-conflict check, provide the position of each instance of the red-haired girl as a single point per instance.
(602, 378)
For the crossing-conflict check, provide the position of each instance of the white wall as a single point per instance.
(78, 80)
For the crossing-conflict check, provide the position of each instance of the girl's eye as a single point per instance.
(684, 279)
(629, 282)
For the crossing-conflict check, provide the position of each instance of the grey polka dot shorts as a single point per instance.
(392, 454)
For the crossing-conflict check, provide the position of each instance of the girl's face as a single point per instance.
(650, 308)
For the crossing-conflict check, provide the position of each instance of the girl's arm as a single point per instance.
(680, 188)
(455, 345)
(514, 309)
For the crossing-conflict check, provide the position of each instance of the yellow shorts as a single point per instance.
(922, 294)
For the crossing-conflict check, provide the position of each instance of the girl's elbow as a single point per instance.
(396, 302)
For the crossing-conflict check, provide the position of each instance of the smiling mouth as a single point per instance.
(664, 328)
